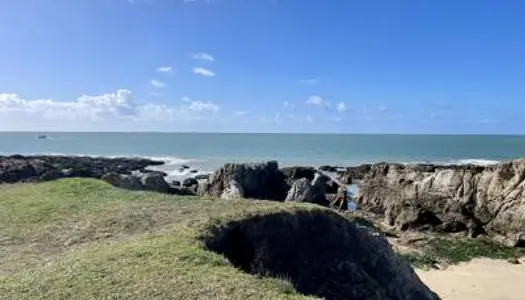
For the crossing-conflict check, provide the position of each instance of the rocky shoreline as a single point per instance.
(469, 199)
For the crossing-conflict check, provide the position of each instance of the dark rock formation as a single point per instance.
(292, 174)
(233, 191)
(148, 171)
(189, 182)
(202, 177)
(320, 253)
(301, 191)
(128, 182)
(37, 168)
(467, 198)
(154, 182)
(332, 187)
(328, 169)
(349, 174)
(319, 187)
(258, 181)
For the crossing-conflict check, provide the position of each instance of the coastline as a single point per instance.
(133, 173)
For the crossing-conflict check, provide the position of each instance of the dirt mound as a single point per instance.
(321, 253)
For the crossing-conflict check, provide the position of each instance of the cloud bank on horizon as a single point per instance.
(262, 66)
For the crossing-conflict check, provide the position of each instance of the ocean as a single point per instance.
(206, 151)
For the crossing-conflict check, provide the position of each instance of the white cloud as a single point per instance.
(203, 56)
(165, 69)
(119, 104)
(203, 72)
(100, 112)
(316, 100)
(200, 106)
(341, 107)
(157, 84)
(185, 99)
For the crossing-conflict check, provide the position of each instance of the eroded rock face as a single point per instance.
(347, 263)
(233, 191)
(292, 174)
(350, 174)
(449, 198)
(258, 181)
(301, 191)
(319, 188)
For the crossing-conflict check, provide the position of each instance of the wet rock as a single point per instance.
(32, 168)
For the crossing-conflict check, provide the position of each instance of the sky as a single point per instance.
(321, 66)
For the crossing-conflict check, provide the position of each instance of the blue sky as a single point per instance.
(263, 65)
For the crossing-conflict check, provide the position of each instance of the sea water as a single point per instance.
(206, 151)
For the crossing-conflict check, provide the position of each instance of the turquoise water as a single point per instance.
(207, 150)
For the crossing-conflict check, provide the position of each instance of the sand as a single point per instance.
(480, 279)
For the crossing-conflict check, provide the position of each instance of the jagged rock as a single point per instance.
(328, 169)
(148, 171)
(319, 187)
(233, 191)
(292, 174)
(189, 182)
(32, 168)
(15, 170)
(154, 182)
(349, 174)
(175, 183)
(449, 198)
(52, 174)
(123, 181)
(258, 181)
(301, 191)
(332, 187)
(202, 177)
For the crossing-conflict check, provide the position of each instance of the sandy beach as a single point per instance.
(480, 279)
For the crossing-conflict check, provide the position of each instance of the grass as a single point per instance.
(83, 239)
(448, 250)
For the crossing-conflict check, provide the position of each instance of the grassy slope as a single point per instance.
(82, 239)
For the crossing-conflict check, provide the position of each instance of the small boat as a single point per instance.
(42, 137)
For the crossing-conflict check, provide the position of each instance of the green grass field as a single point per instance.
(83, 239)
